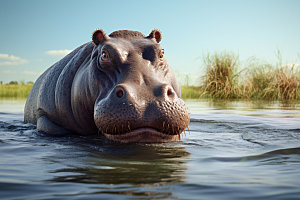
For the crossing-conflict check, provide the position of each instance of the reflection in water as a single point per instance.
(121, 169)
(138, 165)
(220, 105)
(12, 105)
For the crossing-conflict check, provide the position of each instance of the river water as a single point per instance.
(232, 150)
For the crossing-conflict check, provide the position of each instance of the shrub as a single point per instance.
(220, 80)
(260, 82)
(287, 82)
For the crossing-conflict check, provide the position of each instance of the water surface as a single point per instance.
(232, 150)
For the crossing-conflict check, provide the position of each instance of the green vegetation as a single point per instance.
(256, 81)
(259, 83)
(191, 92)
(221, 78)
(287, 82)
(15, 90)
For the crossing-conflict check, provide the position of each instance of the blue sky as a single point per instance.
(37, 33)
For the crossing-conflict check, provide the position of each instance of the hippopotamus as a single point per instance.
(118, 85)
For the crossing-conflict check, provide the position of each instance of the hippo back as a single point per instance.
(50, 95)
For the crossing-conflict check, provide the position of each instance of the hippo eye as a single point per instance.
(104, 55)
(161, 54)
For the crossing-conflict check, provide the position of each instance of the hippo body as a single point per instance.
(119, 85)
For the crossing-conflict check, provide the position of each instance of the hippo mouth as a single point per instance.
(143, 135)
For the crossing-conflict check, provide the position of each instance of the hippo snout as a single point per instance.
(140, 114)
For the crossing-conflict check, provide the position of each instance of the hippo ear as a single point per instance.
(155, 34)
(99, 36)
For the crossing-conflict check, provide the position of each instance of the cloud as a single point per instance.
(8, 72)
(58, 52)
(9, 60)
(34, 73)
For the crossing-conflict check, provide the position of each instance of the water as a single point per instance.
(233, 150)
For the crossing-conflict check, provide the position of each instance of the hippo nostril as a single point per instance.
(170, 92)
(120, 93)
(165, 91)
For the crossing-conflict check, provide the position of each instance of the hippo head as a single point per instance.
(139, 99)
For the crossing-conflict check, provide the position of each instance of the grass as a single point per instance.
(220, 80)
(287, 82)
(269, 82)
(191, 92)
(15, 90)
(257, 81)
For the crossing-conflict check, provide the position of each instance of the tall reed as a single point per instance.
(287, 82)
(260, 82)
(190, 92)
(257, 80)
(265, 81)
(220, 80)
(15, 90)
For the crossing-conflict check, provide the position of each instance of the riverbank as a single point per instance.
(243, 92)
(15, 90)
(226, 78)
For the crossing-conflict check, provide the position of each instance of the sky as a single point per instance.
(34, 34)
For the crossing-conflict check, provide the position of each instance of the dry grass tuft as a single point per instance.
(221, 76)
(287, 82)
(15, 90)
(259, 83)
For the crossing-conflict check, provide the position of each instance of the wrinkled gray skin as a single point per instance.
(119, 85)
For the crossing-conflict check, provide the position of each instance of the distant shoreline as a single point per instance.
(21, 91)
(15, 90)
